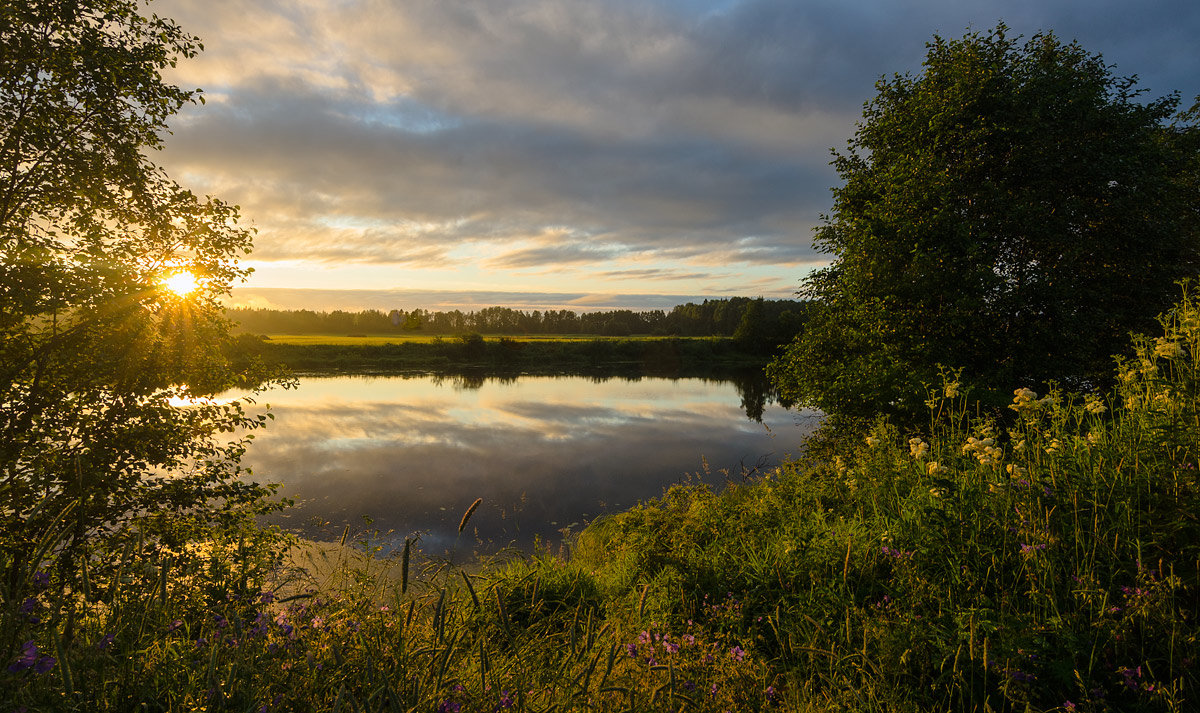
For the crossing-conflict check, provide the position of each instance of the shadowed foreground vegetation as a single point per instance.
(1047, 560)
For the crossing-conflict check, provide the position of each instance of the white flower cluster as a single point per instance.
(918, 448)
(1092, 404)
(1027, 400)
(984, 450)
(1167, 348)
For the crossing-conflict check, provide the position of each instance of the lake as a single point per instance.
(546, 453)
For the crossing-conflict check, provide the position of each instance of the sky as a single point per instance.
(566, 154)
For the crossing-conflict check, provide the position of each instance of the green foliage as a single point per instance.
(1049, 565)
(777, 321)
(1014, 210)
(94, 454)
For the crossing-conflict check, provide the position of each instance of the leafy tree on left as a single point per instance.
(93, 348)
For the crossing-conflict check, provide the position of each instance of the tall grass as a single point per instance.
(1046, 560)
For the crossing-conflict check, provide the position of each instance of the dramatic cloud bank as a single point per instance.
(616, 146)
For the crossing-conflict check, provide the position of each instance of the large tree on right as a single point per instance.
(1015, 210)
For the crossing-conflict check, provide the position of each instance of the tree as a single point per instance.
(1014, 210)
(94, 349)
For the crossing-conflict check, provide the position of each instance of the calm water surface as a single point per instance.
(544, 453)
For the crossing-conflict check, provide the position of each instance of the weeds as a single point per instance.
(1045, 561)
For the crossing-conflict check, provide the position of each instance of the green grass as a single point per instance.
(412, 338)
(1049, 561)
(541, 355)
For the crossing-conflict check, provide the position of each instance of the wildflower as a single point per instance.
(1015, 471)
(918, 448)
(873, 441)
(449, 706)
(1130, 675)
(1166, 348)
(984, 450)
(1022, 399)
(951, 389)
(737, 653)
(105, 641)
(174, 625)
(937, 492)
(632, 649)
(1053, 446)
(933, 468)
(1094, 438)
(40, 580)
(29, 659)
(506, 700)
(1093, 405)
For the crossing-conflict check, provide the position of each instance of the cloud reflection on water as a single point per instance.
(544, 453)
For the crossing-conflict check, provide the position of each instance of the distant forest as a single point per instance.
(749, 319)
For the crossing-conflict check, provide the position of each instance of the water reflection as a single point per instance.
(544, 453)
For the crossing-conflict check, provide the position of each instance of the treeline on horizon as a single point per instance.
(750, 319)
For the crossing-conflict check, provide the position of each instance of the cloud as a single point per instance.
(448, 300)
(413, 453)
(534, 135)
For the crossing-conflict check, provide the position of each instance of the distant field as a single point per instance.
(380, 339)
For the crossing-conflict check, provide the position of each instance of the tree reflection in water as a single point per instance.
(544, 453)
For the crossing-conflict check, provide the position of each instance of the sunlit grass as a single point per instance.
(382, 339)
(1045, 561)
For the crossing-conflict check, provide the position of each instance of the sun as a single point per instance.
(182, 283)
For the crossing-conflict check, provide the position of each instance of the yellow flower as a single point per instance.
(933, 468)
(1015, 470)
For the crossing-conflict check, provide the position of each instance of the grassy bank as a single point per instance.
(656, 356)
(1048, 561)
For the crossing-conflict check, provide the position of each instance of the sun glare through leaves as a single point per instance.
(181, 283)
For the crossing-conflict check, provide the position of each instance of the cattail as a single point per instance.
(467, 515)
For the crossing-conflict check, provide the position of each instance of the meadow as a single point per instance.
(414, 338)
(541, 354)
(1044, 559)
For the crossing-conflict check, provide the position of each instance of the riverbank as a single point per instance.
(542, 356)
(1049, 562)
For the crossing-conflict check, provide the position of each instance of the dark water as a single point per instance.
(544, 453)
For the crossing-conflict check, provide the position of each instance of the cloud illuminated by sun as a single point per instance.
(182, 283)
